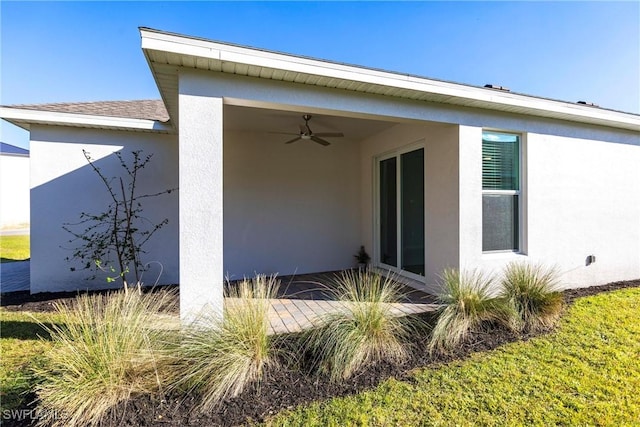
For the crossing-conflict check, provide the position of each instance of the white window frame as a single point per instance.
(521, 193)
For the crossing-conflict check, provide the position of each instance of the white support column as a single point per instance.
(201, 227)
(470, 143)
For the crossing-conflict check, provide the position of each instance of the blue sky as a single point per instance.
(87, 51)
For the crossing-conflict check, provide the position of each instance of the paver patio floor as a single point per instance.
(295, 315)
(304, 299)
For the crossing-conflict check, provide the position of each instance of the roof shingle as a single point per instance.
(149, 109)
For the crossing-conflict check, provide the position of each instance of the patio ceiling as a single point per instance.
(247, 119)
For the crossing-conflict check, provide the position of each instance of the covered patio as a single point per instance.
(259, 193)
(304, 207)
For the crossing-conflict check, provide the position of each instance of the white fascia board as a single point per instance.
(85, 120)
(157, 42)
(233, 54)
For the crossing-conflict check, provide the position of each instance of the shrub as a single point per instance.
(104, 352)
(113, 240)
(532, 292)
(467, 304)
(365, 331)
(218, 357)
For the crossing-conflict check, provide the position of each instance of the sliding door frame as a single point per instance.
(397, 154)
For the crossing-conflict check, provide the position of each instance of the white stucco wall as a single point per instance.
(584, 199)
(289, 208)
(440, 142)
(303, 208)
(594, 142)
(581, 197)
(63, 186)
(14, 191)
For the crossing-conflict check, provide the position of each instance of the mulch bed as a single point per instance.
(283, 388)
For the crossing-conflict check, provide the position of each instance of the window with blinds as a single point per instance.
(500, 191)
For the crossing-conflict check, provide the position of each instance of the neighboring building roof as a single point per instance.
(12, 150)
(167, 53)
(142, 115)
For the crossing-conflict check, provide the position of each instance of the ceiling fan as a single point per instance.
(307, 134)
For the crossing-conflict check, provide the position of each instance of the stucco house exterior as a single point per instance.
(428, 175)
(14, 187)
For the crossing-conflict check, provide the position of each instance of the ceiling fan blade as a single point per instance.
(293, 140)
(330, 134)
(320, 141)
(284, 133)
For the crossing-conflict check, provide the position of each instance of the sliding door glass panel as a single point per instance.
(499, 222)
(388, 213)
(412, 211)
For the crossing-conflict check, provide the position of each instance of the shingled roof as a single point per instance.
(149, 109)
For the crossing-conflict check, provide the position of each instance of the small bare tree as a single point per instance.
(120, 231)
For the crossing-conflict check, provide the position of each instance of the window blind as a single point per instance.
(500, 161)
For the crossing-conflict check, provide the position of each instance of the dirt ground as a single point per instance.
(283, 388)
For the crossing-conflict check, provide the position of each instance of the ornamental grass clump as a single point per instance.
(532, 291)
(219, 357)
(467, 304)
(366, 330)
(104, 353)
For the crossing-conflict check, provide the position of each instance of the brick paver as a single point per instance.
(289, 316)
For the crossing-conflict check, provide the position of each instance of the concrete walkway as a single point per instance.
(14, 276)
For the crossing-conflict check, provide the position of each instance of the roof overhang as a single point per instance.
(25, 118)
(166, 52)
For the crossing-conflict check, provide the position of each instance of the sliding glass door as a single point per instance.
(388, 213)
(401, 211)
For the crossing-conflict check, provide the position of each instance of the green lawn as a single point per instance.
(587, 373)
(14, 248)
(21, 349)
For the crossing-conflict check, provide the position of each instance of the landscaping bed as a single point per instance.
(287, 388)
